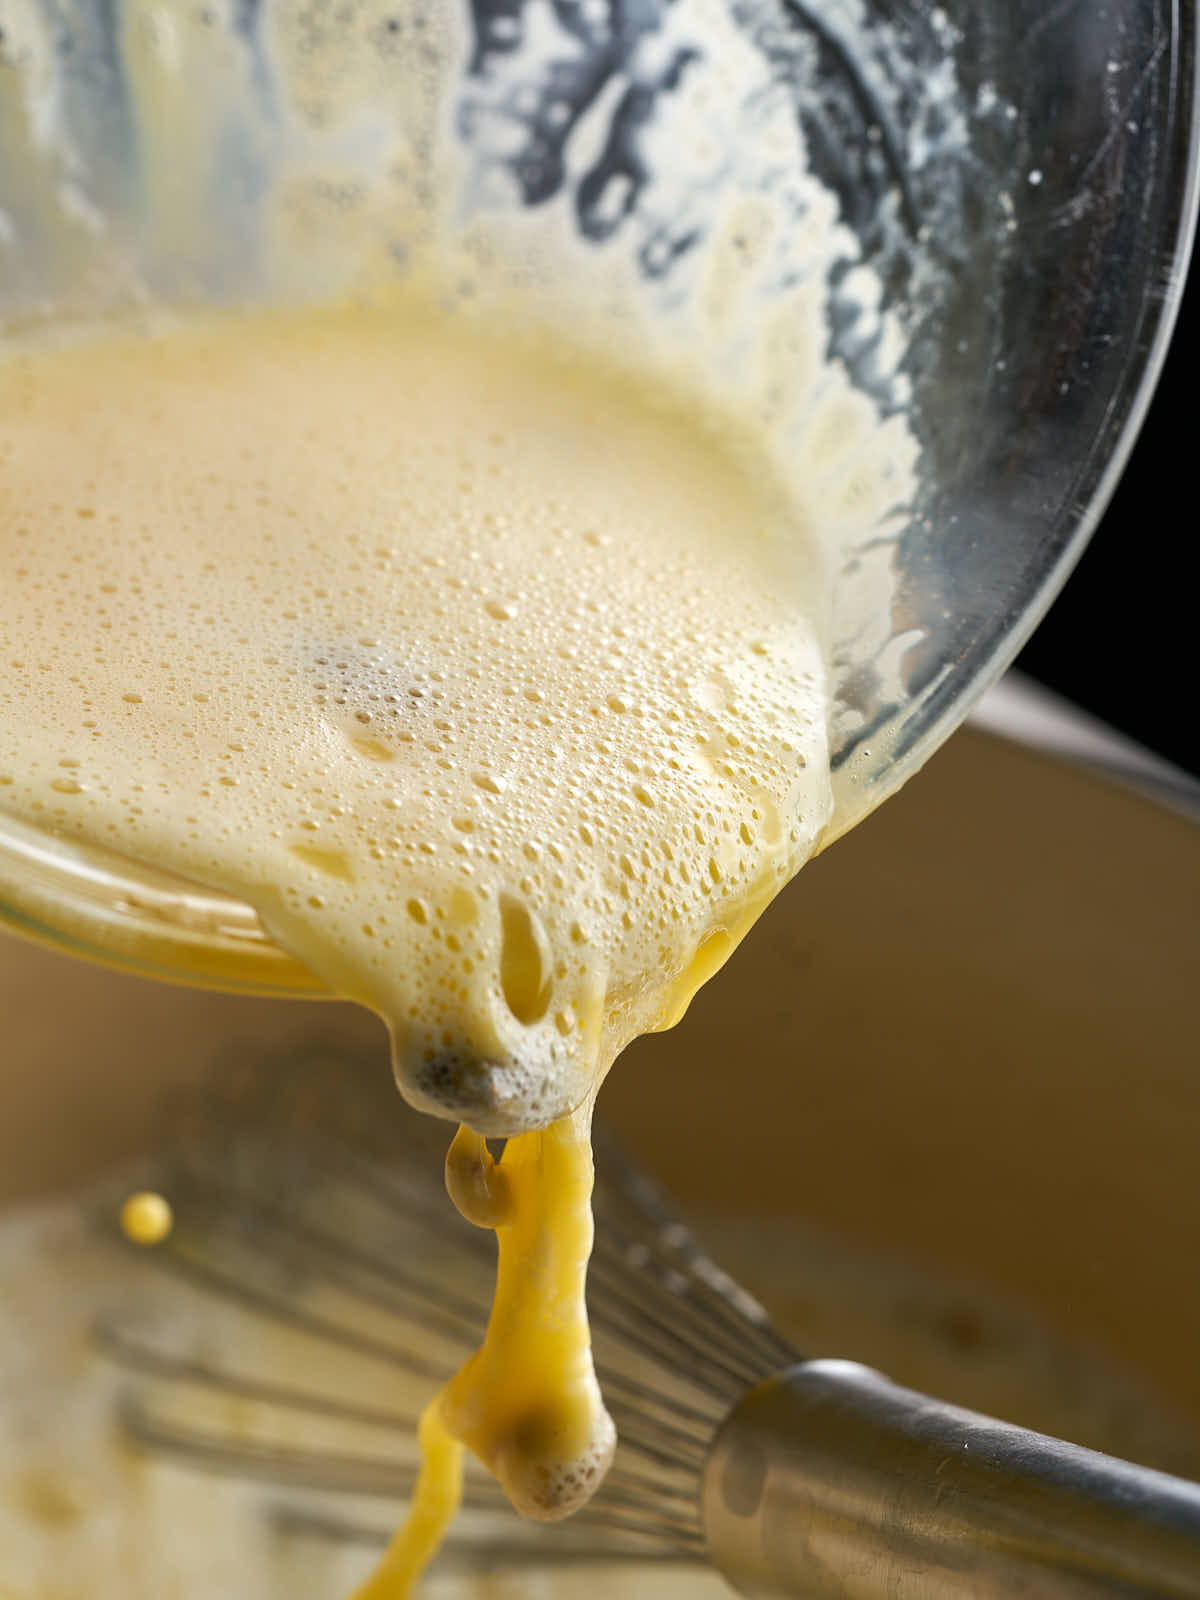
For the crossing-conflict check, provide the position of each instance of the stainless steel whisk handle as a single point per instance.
(829, 1480)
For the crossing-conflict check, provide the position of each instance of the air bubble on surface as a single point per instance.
(333, 863)
(524, 963)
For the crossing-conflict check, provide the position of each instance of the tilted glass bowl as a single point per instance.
(1018, 182)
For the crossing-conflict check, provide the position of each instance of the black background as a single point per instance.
(1121, 638)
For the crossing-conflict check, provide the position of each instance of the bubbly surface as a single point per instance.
(491, 680)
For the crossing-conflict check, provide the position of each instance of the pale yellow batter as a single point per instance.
(493, 680)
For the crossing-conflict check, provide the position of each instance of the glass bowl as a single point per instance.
(967, 222)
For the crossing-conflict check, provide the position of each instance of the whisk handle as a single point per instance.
(829, 1480)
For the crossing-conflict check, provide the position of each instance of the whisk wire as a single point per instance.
(309, 1199)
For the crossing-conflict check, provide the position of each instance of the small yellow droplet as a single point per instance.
(147, 1218)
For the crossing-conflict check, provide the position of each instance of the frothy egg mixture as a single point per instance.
(492, 678)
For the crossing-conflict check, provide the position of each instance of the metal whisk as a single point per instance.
(323, 1287)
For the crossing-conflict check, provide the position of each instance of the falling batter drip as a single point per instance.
(527, 1403)
(492, 679)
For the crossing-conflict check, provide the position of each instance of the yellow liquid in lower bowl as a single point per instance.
(84, 1513)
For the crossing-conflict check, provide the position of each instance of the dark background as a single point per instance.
(1121, 639)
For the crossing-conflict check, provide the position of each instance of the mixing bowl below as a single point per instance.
(963, 1151)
